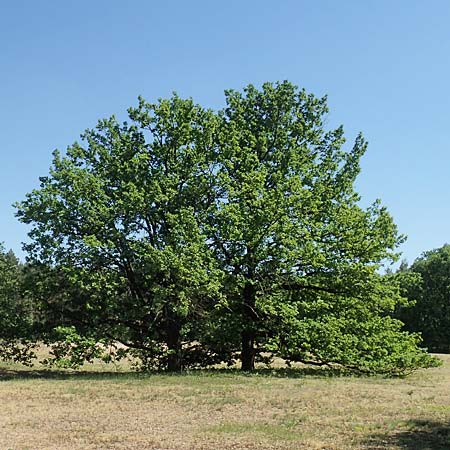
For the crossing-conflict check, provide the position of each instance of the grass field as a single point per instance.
(303, 409)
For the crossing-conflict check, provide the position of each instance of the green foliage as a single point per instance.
(15, 312)
(428, 292)
(372, 345)
(190, 235)
(70, 350)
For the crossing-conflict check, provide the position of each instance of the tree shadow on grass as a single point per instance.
(7, 374)
(417, 435)
(52, 374)
(295, 372)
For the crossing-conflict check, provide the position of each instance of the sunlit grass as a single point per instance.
(106, 407)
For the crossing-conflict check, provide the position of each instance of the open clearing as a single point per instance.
(309, 409)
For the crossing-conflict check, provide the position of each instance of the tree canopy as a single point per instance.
(194, 237)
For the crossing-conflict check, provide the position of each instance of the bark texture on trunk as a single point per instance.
(248, 334)
(248, 351)
(173, 341)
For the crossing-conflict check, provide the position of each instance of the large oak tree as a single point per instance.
(192, 235)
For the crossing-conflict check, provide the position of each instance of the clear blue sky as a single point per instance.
(384, 64)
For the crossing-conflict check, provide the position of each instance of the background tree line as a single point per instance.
(192, 237)
(426, 284)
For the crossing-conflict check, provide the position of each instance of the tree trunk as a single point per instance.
(173, 337)
(248, 334)
(248, 351)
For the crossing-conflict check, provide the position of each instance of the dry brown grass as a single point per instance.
(223, 410)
